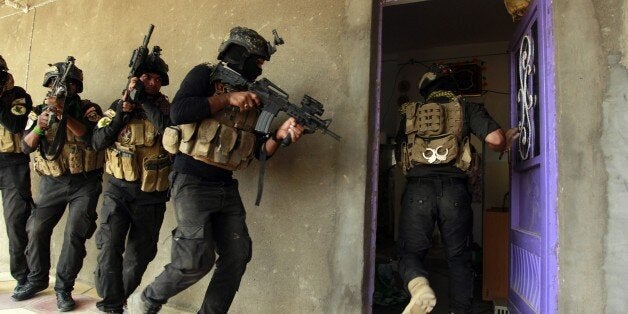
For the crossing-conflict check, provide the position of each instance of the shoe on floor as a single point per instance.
(27, 291)
(19, 286)
(150, 307)
(64, 301)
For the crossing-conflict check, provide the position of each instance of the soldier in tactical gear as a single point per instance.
(15, 180)
(435, 155)
(71, 175)
(216, 138)
(135, 202)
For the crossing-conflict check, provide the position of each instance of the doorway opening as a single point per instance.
(472, 37)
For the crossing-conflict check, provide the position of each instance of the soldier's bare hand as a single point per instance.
(511, 136)
(243, 100)
(55, 104)
(291, 127)
(132, 83)
(42, 120)
(127, 106)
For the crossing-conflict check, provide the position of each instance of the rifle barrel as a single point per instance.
(148, 35)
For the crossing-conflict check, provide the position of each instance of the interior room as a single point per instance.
(472, 37)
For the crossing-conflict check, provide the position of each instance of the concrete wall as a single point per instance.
(591, 77)
(613, 21)
(308, 232)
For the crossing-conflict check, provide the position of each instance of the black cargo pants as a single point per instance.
(210, 217)
(447, 202)
(80, 192)
(15, 184)
(127, 241)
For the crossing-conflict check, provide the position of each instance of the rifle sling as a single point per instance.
(260, 178)
(57, 144)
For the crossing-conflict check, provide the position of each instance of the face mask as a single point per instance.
(251, 70)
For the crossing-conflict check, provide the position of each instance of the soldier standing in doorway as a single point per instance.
(436, 154)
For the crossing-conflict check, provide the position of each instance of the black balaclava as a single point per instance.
(239, 60)
(444, 83)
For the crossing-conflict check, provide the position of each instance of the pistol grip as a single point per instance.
(286, 141)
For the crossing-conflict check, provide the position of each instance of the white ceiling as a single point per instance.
(435, 23)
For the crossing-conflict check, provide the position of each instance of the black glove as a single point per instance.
(121, 117)
(138, 95)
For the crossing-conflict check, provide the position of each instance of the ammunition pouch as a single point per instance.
(155, 171)
(138, 156)
(75, 158)
(212, 142)
(9, 142)
(121, 163)
(172, 139)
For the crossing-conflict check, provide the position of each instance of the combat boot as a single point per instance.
(150, 307)
(423, 298)
(65, 302)
(27, 291)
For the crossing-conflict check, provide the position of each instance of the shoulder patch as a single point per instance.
(110, 113)
(103, 122)
(18, 107)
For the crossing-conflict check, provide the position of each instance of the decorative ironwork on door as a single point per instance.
(526, 96)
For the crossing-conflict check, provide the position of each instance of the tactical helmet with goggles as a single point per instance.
(3, 65)
(438, 77)
(56, 70)
(155, 64)
(253, 42)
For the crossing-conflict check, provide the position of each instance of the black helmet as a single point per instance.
(253, 42)
(438, 77)
(58, 69)
(3, 65)
(154, 64)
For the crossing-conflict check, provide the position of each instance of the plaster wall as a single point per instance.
(308, 232)
(582, 86)
(613, 21)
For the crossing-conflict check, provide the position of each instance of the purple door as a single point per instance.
(533, 225)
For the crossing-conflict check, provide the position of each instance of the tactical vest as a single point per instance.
(138, 155)
(435, 136)
(225, 140)
(76, 156)
(9, 142)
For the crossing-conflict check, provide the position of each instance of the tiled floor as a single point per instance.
(45, 302)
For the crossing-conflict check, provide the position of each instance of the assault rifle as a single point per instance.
(273, 99)
(59, 87)
(137, 59)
